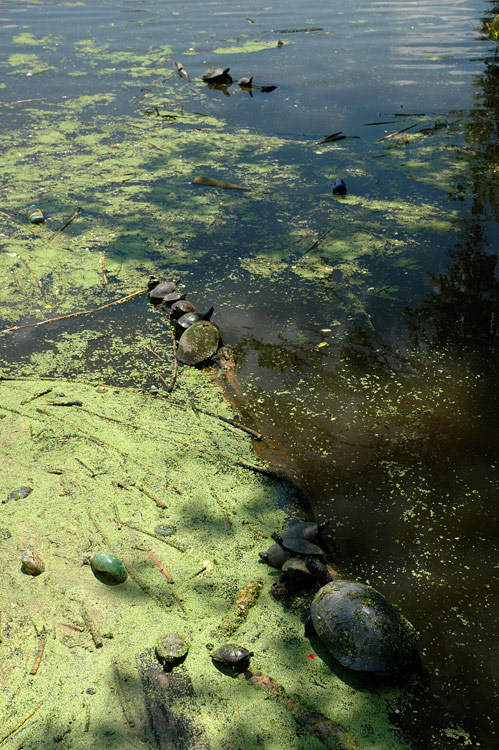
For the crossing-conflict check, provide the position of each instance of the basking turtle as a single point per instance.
(362, 629)
(231, 657)
(171, 650)
(181, 307)
(163, 291)
(275, 556)
(188, 319)
(198, 343)
(245, 82)
(217, 76)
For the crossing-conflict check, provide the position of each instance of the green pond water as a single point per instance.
(364, 328)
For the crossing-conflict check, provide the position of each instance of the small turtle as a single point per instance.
(19, 494)
(217, 75)
(171, 650)
(245, 82)
(307, 530)
(275, 556)
(361, 629)
(32, 563)
(297, 567)
(188, 319)
(301, 546)
(231, 657)
(181, 307)
(160, 290)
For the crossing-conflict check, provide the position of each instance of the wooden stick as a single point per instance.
(1, 639)
(71, 218)
(158, 502)
(20, 723)
(154, 536)
(125, 706)
(397, 132)
(152, 351)
(240, 730)
(314, 244)
(13, 218)
(26, 263)
(159, 565)
(43, 641)
(170, 387)
(103, 263)
(92, 629)
(79, 628)
(73, 315)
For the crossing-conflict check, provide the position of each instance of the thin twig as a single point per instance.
(103, 264)
(152, 351)
(20, 723)
(92, 629)
(314, 244)
(125, 706)
(240, 730)
(73, 315)
(43, 641)
(18, 221)
(158, 564)
(71, 218)
(154, 536)
(26, 263)
(397, 132)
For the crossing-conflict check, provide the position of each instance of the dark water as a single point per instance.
(391, 429)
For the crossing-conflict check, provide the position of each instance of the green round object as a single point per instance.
(362, 629)
(198, 343)
(108, 568)
(171, 649)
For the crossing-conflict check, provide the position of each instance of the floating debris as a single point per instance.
(32, 563)
(212, 182)
(35, 215)
(108, 568)
(19, 494)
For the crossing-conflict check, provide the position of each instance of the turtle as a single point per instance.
(188, 319)
(217, 75)
(198, 343)
(301, 546)
(171, 650)
(181, 307)
(232, 657)
(361, 629)
(245, 82)
(160, 290)
(275, 556)
(307, 530)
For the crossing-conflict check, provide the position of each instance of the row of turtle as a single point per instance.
(359, 627)
(198, 338)
(222, 77)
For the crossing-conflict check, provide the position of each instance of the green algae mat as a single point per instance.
(168, 489)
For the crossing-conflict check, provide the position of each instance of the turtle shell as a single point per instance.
(198, 343)
(232, 656)
(171, 649)
(296, 566)
(217, 75)
(181, 307)
(301, 546)
(306, 530)
(362, 629)
(159, 292)
(275, 556)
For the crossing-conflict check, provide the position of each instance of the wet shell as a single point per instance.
(362, 629)
(181, 307)
(306, 530)
(297, 566)
(198, 343)
(32, 563)
(275, 556)
(108, 568)
(301, 547)
(19, 494)
(232, 656)
(171, 649)
(160, 291)
(217, 75)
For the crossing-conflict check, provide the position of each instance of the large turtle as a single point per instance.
(217, 76)
(362, 629)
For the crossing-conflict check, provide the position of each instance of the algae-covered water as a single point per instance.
(364, 327)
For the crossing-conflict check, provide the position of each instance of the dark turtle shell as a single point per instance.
(301, 546)
(217, 75)
(171, 649)
(297, 567)
(181, 307)
(306, 530)
(232, 656)
(245, 82)
(160, 291)
(362, 629)
(275, 556)
(189, 318)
